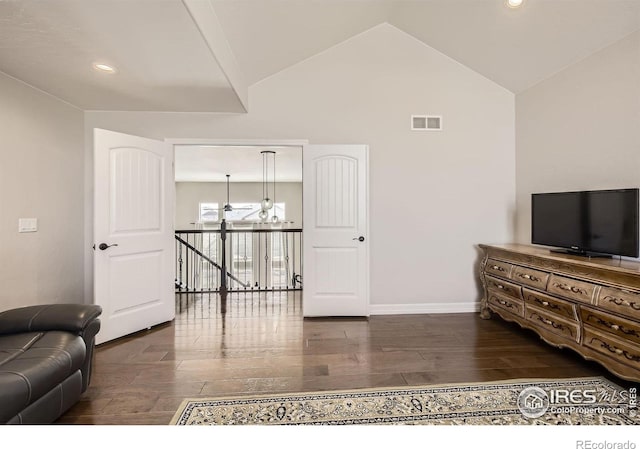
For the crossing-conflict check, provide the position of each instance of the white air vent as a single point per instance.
(426, 122)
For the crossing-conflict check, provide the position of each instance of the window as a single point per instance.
(208, 212)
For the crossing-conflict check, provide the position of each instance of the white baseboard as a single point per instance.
(413, 309)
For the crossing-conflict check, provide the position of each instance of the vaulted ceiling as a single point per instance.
(201, 55)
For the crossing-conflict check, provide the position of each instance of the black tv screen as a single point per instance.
(596, 221)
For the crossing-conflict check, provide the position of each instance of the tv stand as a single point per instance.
(577, 252)
(591, 306)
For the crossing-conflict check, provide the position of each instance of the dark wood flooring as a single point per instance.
(261, 344)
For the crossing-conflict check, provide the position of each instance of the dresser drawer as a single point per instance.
(553, 305)
(614, 325)
(503, 287)
(508, 303)
(553, 323)
(612, 347)
(572, 288)
(530, 277)
(498, 268)
(624, 302)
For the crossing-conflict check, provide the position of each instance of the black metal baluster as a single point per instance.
(175, 262)
(183, 273)
(294, 267)
(187, 265)
(258, 280)
(244, 236)
(266, 262)
(286, 258)
(281, 259)
(193, 263)
(223, 257)
(194, 267)
(237, 267)
(217, 259)
(198, 262)
(201, 264)
(206, 268)
(211, 270)
(192, 280)
(180, 266)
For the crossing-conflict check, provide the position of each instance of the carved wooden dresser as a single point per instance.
(590, 305)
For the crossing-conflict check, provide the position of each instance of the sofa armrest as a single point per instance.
(65, 317)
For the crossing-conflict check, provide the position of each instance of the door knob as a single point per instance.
(360, 239)
(104, 246)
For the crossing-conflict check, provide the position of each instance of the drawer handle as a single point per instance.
(622, 302)
(497, 268)
(507, 304)
(528, 276)
(506, 288)
(552, 324)
(570, 288)
(615, 327)
(613, 349)
(545, 303)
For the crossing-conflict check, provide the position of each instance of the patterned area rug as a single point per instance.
(585, 401)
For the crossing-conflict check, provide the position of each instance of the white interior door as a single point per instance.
(336, 240)
(133, 233)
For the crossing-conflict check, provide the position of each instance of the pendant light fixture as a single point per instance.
(267, 202)
(274, 217)
(227, 206)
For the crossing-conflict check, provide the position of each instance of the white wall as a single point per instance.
(580, 129)
(189, 195)
(41, 176)
(434, 195)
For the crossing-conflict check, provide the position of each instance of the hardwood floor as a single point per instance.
(261, 344)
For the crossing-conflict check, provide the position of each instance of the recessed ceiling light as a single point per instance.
(104, 67)
(514, 3)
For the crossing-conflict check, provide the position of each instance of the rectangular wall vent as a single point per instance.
(426, 122)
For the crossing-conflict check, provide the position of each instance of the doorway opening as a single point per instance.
(226, 240)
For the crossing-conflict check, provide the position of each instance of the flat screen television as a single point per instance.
(588, 223)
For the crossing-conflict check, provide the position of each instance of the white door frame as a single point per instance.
(299, 143)
(240, 142)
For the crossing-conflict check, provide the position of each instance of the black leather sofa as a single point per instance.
(46, 355)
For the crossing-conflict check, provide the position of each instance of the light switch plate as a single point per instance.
(27, 225)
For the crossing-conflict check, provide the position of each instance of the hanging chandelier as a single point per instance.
(268, 202)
